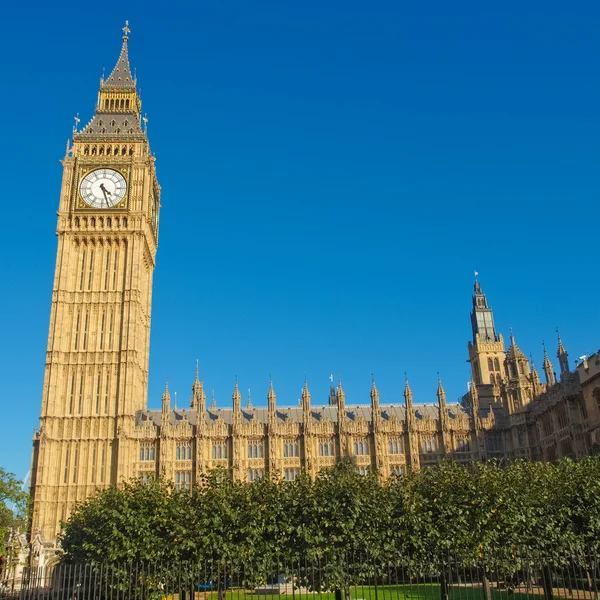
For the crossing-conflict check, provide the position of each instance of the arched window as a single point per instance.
(496, 364)
(513, 369)
(490, 364)
(127, 103)
(355, 448)
(521, 368)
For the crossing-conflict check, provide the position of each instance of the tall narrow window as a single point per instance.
(89, 285)
(102, 321)
(80, 403)
(98, 395)
(106, 394)
(75, 461)
(107, 268)
(82, 271)
(85, 328)
(102, 463)
(71, 397)
(66, 477)
(110, 330)
(115, 267)
(77, 318)
(93, 473)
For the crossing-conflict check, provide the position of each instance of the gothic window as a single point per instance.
(93, 470)
(219, 450)
(124, 148)
(89, 285)
(397, 470)
(131, 149)
(183, 480)
(255, 449)
(361, 447)
(98, 394)
(82, 274)
(548, 425)
(492, 379)
(496, 364)
(255, 474)
(106, 393)
(115, 268)
(490, 364)
(85, 329)
(462, 445)
(147, 452)
(72, 394)
(113, 123)
(101, 148)
(93, 147)
(76, 221)
(118, 130)
(66, 475)
(77, 318)
(183, 451)
(80, 402)
(326, 447)
(127, 103)
(75, 462)
(561, 415)
(124, 222)
(395, 445)
(86, 150)
(102, 463)
(291, 448)
(513, 368)
(363, 470)
(596, 395)
(291, 474)
(125, 123)
(145, 478)
(429, 445)
(109, 222)
(521, 368)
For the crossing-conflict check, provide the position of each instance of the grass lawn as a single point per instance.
(421, 591)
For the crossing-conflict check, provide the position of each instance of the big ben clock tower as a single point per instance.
(96, 373)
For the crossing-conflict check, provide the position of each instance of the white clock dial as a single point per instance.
(103, 188)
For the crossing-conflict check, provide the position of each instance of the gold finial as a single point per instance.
(77, 119)
(126, 31)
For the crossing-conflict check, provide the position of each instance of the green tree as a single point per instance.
(12, 507)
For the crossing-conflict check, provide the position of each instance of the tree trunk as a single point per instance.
(443, 585)
(338, 594)
(547, 583)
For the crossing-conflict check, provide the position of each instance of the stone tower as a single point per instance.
(486, 352)
(96, 372)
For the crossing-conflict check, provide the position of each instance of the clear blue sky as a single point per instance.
(332, 174)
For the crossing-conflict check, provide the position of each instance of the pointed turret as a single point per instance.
(516, 361)
(408, 395)
(332, 393)
(563, 357)
(441, 393)
(198, 400)
(548, 369)
(341, 398)
(166, 400)
(374, 395)
(306, 397)
(249, 404)
(237, 405)
(536, 382)
(213, 404)
(272, 402)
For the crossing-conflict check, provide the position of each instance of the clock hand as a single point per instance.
(105, 192)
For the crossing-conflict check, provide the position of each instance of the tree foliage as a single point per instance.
(12, 506)
(483, 512)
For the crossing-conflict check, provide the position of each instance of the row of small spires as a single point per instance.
(337, 396)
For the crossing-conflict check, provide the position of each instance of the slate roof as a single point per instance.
(121, 75)
(294, 414)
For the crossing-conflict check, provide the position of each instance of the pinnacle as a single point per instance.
(121, 74)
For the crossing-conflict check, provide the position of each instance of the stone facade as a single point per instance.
(95, 428)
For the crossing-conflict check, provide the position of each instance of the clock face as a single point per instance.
(103, 188)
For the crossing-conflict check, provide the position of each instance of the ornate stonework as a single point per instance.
(95, 429)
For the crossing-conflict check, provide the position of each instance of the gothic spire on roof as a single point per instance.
(121, 74)
(548, 368)
(249, 405)
(374, 390)
(213, 404)
(166, 398)
(441, 394)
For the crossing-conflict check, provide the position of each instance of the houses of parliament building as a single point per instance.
(96, 430)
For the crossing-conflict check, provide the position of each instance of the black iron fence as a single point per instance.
(506, 575)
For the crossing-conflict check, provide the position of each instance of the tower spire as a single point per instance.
(563, 356)
(120, 76)
(548, 368)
